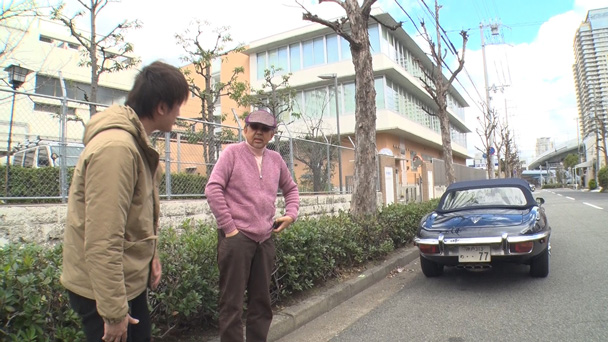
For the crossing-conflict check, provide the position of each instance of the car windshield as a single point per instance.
(72, 152)
(484, 197)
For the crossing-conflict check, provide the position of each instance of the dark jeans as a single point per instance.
(244, 265)
(92, 323)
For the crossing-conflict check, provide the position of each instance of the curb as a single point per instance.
(292, 318)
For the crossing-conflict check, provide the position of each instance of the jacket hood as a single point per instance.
(116, 117)
(124, 118)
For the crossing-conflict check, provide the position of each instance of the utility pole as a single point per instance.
(495, 32)
(488, 111)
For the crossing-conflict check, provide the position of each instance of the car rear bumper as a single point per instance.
(500, 247)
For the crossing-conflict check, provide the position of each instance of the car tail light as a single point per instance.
(428, 249)
(522, 247)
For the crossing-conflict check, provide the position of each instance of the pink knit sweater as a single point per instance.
(243, 197)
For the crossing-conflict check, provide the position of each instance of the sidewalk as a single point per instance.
(291, 318)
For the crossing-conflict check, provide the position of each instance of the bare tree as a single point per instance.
(212, 90)
(488, 124)
(354, 29)
(317, 160)
(103, 53)
(509, 148)
(439, 88)
(275, 94)
(15, 12)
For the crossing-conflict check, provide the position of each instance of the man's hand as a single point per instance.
(118, 332)
(283, 222)
(156, 271)
(232, 233)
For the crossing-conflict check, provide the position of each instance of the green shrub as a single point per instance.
(402, 220)
(553, 186)
(602, 178)
(184, 184)
(188, 292)
(310, 252)
(45, 182)
(592, 184)
(32, 182)
(34, 305)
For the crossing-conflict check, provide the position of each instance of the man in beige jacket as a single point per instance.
(109, 251)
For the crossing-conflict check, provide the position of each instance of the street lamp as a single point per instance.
(335, 78)
(16, 77)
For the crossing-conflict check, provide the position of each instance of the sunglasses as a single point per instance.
(260, 127)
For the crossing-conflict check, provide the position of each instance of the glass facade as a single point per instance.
(309, 53)
(49, 85)
(390, 95)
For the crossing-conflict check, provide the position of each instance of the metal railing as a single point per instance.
(42, 131)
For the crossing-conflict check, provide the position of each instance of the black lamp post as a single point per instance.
(16, 77)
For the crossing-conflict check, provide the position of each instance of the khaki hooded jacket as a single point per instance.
(113, 207)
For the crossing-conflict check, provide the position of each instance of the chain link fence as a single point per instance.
(41, 140)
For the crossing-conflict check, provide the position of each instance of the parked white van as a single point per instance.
(46, 153)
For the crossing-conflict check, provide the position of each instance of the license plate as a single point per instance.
(474, 254)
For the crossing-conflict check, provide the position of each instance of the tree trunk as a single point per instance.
(210, 143)
(364, 192)
(444, 121)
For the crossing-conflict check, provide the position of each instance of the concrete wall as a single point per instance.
(44, 223)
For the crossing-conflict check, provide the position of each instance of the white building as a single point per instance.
(405, 129)
(47, 49)
(543, 145)
(591, 74)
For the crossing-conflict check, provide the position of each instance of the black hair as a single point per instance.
(156, 83)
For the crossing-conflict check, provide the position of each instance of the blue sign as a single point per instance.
(492, 151)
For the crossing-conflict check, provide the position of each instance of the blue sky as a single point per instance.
(534, 63)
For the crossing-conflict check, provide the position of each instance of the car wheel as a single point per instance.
(430, 268)
(539, 267)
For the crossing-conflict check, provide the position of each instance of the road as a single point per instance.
(503, 304)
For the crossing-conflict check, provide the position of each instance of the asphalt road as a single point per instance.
(503, 304)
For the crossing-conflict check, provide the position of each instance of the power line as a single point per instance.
(444, 62)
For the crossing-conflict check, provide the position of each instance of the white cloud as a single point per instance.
(541, 101)
(540, 97)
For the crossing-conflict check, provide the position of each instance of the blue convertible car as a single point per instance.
(478, 223)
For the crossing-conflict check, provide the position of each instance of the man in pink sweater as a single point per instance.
(241, 193)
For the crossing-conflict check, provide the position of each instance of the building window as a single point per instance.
(294, 56)
(344, 49)
(51, 108)
(374, 38)
(379, 85)
(261, 64)
(349, 98)
(308, 53)
(332, 48)
(48, 85)
(282, 63)
(319, 50)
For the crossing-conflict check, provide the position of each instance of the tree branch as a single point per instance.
(337, 25)
(392, 28)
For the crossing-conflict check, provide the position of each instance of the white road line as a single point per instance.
(559, 195)
(570, 198)
(593, 206)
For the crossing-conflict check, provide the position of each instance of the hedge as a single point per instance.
(35, 308)
(45, 182)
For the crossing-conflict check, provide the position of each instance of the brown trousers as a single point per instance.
(244, 265)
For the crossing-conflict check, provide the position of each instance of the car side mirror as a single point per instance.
(540, 200)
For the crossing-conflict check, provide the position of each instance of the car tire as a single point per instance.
(539, 267)
(430, 268)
